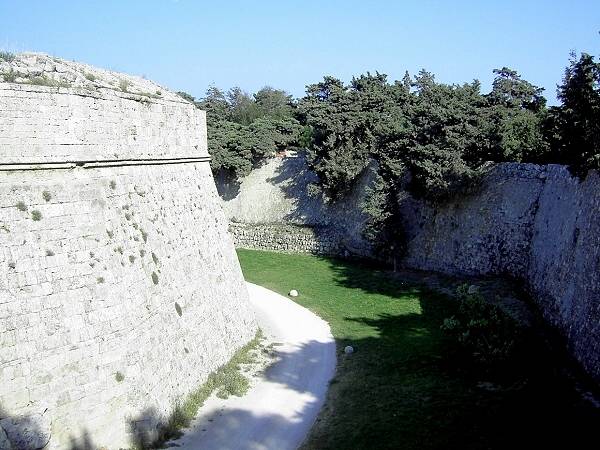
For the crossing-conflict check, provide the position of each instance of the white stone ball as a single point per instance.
(293, 293)
(348, 349)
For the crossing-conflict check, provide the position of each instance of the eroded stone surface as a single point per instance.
(120, 290)
(534, 223)
(4, 442)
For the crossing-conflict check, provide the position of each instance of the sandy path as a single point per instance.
(279, 410)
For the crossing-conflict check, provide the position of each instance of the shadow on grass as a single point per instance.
(408, 387)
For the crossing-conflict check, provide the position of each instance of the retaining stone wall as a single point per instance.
(287, 238)
(535, 223)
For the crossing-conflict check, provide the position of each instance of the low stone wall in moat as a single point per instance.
(287, 238)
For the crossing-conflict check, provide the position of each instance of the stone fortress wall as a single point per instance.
(534, 223)
(120, 290)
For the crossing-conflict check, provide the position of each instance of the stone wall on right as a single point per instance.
(535, 223)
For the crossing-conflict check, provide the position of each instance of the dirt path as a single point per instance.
(279, 410)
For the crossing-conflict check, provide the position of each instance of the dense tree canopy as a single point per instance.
(574, 127)
(243, 129)
(430, 138)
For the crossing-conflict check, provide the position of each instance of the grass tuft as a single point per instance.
(226, 381)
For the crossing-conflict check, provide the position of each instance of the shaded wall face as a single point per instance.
(271, 209)
(120, 291)
(564, 265)
(534, 223)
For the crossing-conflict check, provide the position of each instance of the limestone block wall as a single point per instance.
(534, 223)
(286, 238)
(120, 290)
(42, 124)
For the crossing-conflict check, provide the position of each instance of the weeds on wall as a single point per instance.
(10, 76)
(124, 85)
(45, 81)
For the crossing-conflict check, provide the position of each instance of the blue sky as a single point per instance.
(188, 45)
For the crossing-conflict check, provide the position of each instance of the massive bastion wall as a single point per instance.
(120, 290)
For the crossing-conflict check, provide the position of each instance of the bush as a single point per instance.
(486, 334)
(7, 56)
(10, 76)
(124, 85)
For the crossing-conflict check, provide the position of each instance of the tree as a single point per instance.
(215, 104)
(342, 121)
(574, 127)
(242, 106)
(274, 103)
(513, 117)
(245, 129)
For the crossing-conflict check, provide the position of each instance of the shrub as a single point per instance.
(36, 215)
(484, 332)
(45, 81)
(46, 196)
(10, 76)
(7, 56)
(90, 76)
(21, 206)
(124, 85)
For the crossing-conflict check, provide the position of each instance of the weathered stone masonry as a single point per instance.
(286, 238)
(538, 224)
(120, 290)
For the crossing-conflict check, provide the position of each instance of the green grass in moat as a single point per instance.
(403, 388)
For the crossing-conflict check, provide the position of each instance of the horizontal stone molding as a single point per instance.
(100, 164)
